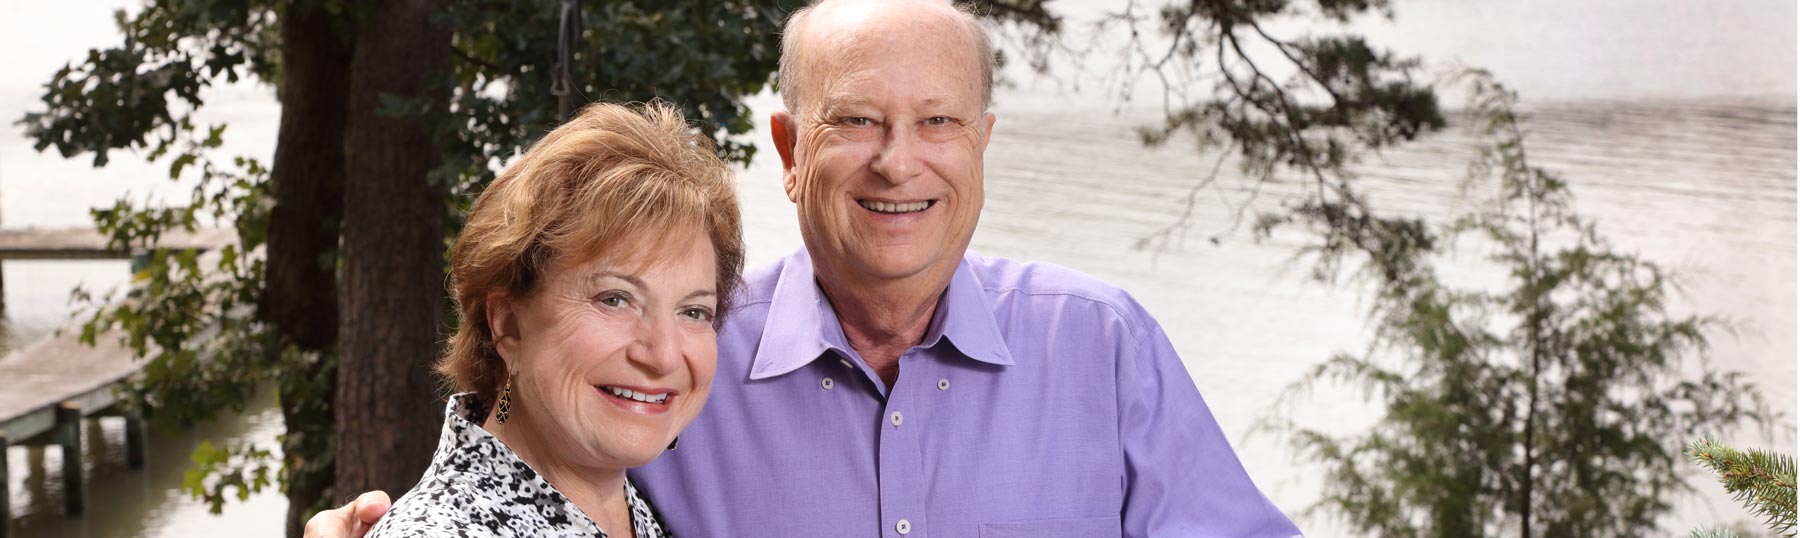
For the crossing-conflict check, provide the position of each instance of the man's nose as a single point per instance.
(657, 347)
(898, 161)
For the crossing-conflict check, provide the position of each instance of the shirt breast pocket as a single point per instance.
(1085, 527)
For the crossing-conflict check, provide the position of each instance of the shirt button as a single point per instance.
(943, 384)
(896, 420)
(826, 383)
(903, 527)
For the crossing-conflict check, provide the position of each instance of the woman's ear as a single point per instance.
(504, 325)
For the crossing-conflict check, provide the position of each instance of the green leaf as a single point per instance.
(180, 163)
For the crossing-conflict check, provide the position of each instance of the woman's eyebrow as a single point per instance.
(629, 279)
(637, 282)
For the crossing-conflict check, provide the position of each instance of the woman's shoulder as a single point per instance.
(458, 504)
(475, 486)
(442, 511)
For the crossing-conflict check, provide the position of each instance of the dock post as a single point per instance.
(134, 441)
(5, 492)
(139, 261)
(68, 425)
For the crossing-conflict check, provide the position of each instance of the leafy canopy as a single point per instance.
(191, 316)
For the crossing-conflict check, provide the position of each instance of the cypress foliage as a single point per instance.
(1553, 404)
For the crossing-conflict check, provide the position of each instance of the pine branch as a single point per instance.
(1762, 481)
(1715, 532)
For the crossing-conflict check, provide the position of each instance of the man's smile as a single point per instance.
(895, 208)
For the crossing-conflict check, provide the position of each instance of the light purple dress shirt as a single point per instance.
(1041, 402)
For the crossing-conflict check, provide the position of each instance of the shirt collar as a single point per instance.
(465, 447)
(802, 326)
(965, 317)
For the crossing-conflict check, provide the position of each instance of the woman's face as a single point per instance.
(609, 361)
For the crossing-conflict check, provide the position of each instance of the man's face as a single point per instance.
(885, 161)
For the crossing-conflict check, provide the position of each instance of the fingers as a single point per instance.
(351, 520)
(371, 506)
(333, 523)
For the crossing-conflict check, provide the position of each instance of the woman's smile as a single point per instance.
(641, 400)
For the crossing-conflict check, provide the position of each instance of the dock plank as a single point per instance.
(57, 369)
(48, 386)
(87, 243)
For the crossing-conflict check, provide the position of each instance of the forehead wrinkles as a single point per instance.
(838, 60)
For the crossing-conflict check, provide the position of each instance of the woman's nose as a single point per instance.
(658, 346)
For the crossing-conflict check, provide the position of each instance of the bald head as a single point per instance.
(815, 32)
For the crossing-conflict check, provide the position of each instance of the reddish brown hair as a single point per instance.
(613, 183)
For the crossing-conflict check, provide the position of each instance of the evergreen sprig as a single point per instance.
(1762, 481)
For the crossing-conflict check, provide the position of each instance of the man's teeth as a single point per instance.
(635, 395)
(884, 207)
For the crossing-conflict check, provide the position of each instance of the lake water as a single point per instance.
(1697, 173)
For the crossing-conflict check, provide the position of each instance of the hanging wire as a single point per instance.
(562, 83)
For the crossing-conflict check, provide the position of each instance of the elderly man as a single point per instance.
(883, 381)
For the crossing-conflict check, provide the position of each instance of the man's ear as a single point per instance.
(503, 323)
(987, 129)
(782, 130)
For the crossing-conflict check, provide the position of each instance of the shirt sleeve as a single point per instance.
(1181, 476)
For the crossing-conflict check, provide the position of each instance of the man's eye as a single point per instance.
(857, 121)
(937, 121)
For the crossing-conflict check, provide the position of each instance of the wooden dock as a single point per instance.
(59, 382)
(55, 383)
(87, 243)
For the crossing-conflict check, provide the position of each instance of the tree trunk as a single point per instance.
(299, 295)
(300, 287)
(1535, 320)
(390, 302)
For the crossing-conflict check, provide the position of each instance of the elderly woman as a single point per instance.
(590, 278)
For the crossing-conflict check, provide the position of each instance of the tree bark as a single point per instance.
(390, 302)
(299, 295)
(300, 287)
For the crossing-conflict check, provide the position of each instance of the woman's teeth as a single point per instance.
(884, 207)
(635, 395)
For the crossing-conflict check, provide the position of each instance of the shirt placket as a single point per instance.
(900, 471)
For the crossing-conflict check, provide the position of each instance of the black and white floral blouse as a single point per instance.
(476, 486)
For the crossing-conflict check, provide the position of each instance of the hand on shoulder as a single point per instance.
(351, 520)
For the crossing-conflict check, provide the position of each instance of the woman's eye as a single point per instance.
(614, 299)
(697, 314)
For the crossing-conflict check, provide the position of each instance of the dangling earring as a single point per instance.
(673, 442)
(504, 408)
